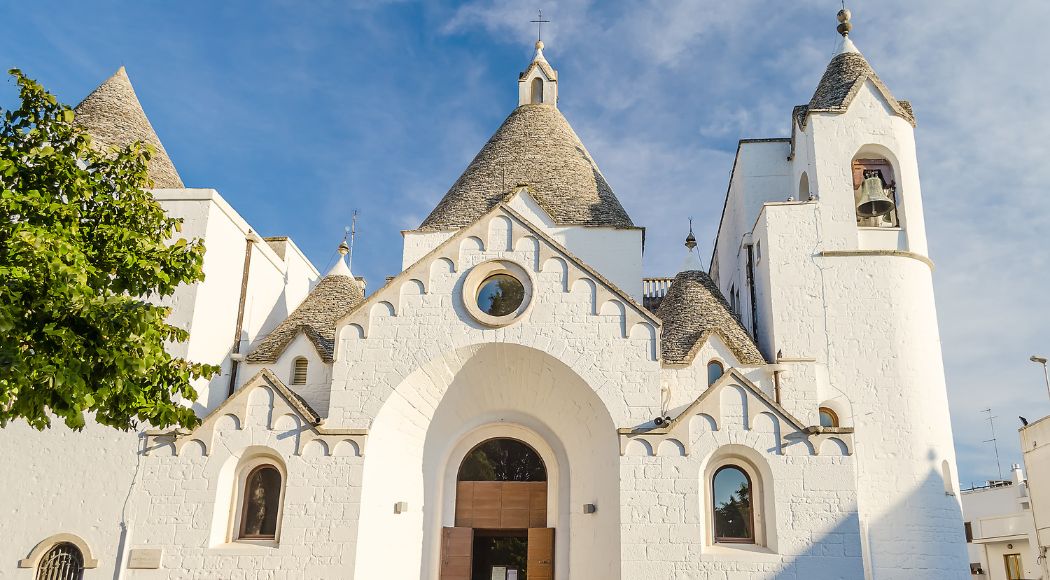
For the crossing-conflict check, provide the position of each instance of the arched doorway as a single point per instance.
(501, 516)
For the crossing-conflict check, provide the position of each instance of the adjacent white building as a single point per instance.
(1000, 531)
(1035, 445)
(506, 406)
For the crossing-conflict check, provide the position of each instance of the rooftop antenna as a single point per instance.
(353, 231)
(539, 25)
(993, 441)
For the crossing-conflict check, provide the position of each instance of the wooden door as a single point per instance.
(457, 547)
(540, 558)
(1013, 566)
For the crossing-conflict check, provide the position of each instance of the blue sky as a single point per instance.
(300, 112)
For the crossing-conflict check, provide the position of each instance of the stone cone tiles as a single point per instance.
(846, 74)
(113, 116)
(333, 297)
(692, 309)
(534, 146)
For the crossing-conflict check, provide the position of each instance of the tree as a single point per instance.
(83, 251)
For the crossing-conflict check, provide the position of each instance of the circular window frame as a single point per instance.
(482, 272)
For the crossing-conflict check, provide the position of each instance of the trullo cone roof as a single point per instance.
(113, 116)
(534, 146)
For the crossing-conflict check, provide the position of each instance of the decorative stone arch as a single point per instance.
(763, 498)
(230, 489)
(463, 396)
(38, 551)
(551, 453)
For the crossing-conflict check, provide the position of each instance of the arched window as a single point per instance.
(803, 187)
(261, 503)
(62, 562)
(502, 460)
(733, 515)
(299, 371)
(715, 370)
(828, 418)
(537, 91)
(875, 192)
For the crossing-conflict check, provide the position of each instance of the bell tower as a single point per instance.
(538, 84)
(853, 150)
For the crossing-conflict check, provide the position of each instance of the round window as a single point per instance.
(500, 295)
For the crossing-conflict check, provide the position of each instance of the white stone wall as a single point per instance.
(615, 253)
(59, 481)
(185, 503)
(865, 316)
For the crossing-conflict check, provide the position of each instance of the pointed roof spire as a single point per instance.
(692, 258)
(846, 74)
(113, 116)
(341, 268)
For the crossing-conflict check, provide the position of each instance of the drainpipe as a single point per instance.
(235, 353)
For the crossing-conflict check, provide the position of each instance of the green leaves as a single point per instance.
(81, 245)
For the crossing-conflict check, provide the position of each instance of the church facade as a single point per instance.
(518, 403)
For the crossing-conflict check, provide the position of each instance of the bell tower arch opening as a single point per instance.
(537, 91)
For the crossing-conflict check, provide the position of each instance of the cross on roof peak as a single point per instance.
(539, 25)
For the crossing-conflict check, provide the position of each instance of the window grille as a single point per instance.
(299, 371)
(62, 562)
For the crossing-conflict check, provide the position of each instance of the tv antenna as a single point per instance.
(351, 231)
(995, 444)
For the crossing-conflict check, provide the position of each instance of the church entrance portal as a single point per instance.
(501, 516)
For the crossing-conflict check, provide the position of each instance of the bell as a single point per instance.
(873, 199)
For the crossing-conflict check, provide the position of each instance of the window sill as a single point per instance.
(245, 547)
(880, 229)
(739, 552)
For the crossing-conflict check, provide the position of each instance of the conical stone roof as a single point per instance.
(845, 75)
(333, 297)
(693, 309)
(113, 116)
(535, 146)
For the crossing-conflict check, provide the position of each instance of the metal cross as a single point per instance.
(539, 25)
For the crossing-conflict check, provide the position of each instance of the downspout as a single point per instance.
(235, 353)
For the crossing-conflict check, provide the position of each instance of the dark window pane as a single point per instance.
(502, 460)
(828, 418)
(262, 497)
(714, 372)
(500, 295)
(732, 506)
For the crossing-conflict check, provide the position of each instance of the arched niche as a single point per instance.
(33, 559)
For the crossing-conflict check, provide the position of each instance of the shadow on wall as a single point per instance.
(930, 515)
(836, 555)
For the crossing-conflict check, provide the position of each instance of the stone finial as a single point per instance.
(844, 24)
(341, 268)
